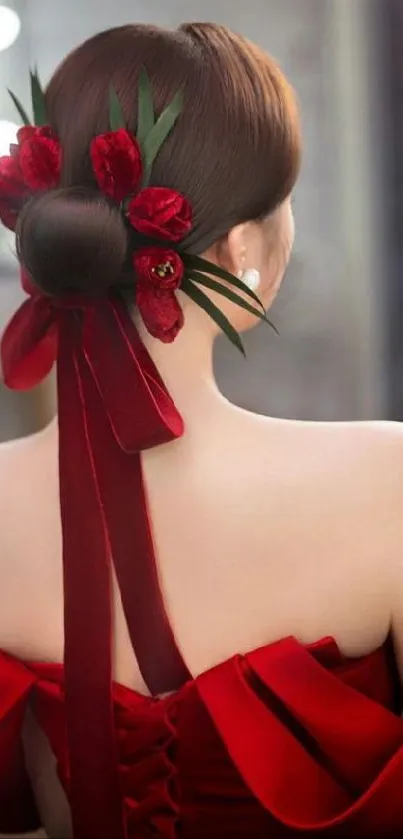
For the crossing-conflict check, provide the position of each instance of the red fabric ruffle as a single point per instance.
(283, 742)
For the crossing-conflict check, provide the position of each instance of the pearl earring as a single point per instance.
(251, 278)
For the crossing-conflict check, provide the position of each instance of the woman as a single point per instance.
(230, 716)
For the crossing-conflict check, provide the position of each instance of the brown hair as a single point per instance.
(234, 152)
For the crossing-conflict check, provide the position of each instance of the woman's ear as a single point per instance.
(232, 250)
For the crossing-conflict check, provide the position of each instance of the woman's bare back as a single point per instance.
(263, 529)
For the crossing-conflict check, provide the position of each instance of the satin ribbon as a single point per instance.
(112, 404)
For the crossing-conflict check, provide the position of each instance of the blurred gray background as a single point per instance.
(329, 362)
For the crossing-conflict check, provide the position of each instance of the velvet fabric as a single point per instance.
(105, 420)
(159, 273)
(160, 311)
(159, 267)
(161, 213)
(155, 212)
(40, 160)
(34, 165)
(13, 191)
(285, 741)
(117, 164)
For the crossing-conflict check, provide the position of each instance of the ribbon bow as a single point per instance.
(112, 405)
(140, 410)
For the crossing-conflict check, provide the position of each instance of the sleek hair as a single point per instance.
(234, 152)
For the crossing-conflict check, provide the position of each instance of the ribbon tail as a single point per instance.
(29, 345)
(94, 793)
(140, 410)
(142, 414)
(159, 659)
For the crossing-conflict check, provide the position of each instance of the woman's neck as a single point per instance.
(186, 366)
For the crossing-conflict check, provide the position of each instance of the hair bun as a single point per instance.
(72, 241)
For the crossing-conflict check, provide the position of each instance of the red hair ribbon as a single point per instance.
(105, 420)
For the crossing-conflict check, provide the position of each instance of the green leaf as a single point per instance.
(22, 112)
(116, 115)
(208, 282)
(160, 131)
(38, 100)
(201, 299)
(211, 268)
(146, 118)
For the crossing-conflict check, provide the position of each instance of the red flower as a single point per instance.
(13, 191)
(161, 213)
(160, 311)
(33, 165)
(159, 267)
(159, 273)
(40, 160)
(116, 161)
(28, 132)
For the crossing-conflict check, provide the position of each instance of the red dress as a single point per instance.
(281, 742)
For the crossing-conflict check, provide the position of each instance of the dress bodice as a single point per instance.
(284, 740)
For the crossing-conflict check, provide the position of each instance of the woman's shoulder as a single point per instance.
(335, 469)
(359, 460)
(23, 463)
(341, 448)
(339, 484)
(378, 432)
(27, 526)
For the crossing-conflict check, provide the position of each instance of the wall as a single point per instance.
(392, 27)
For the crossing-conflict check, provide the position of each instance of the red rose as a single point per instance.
(33, 165)
(160, 311)
(40, 161)
(159, 267)
(13, 191)
(159, 273)
(116, 161)
(161, 213)
(27, 132)
(10, 174)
